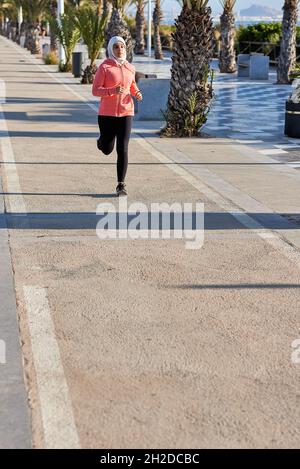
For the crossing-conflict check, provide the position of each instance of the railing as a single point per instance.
(268, 48)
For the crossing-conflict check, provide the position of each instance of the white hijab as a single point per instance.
(110, 46)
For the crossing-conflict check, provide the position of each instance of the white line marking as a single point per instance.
(249, 141)
(288, 146)
(272, 151)
(57, 415)
(16, 203)
(247, 131)
(295, 140)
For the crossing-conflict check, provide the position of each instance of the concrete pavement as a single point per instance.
(143, 343)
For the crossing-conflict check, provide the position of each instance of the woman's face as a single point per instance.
(119, 49)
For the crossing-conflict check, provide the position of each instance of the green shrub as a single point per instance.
(166, 35)
(130, 20)
(260, 32)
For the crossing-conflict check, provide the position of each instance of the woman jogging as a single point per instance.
(115, 84)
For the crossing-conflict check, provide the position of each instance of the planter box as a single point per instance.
(292, 119)
(255, 66)
(259, 67)
(45, 50)
(155, 96)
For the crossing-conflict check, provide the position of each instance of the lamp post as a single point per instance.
(149, 28)
(61, 11)
(20, 18)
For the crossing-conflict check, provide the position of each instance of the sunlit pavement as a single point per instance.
(142, 343)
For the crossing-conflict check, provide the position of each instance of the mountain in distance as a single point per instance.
(260, 11)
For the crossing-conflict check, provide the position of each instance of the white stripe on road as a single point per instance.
(248, 142)
(288, 146)
(57, 415)
(56, 408)
(272, 151)
(16, 202)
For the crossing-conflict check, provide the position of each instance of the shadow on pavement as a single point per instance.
(88, 220)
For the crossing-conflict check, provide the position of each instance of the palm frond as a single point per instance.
(67, 32)
(228, 4)
(92, 29)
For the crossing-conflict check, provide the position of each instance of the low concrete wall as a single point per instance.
(155, 96)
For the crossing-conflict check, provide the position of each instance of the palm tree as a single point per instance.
(227, 52)
(68, 34)
(140, 24)
(287, 57)
(92, 24)
(190, 87)
(157, 18)
(118, 27)
(8, 9)
(33, 9)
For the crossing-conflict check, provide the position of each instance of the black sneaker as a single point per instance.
(121, 189)
(99, 144)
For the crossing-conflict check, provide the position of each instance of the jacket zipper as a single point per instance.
(120, 94)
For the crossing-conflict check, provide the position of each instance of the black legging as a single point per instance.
(112, 127)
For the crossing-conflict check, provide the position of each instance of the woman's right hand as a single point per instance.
(120, 89)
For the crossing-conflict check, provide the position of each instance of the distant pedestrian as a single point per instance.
(115, 84)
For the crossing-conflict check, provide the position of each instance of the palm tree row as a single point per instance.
(191, 79)
(112, 9)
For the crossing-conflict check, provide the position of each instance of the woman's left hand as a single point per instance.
(139, 96)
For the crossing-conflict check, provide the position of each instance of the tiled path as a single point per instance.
(251, 112)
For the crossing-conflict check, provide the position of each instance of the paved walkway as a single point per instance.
(145, 343)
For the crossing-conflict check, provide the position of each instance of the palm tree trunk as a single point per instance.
(287, 57)
(227, 61)
(157, 17)
(53, 38)
(32, 39)
(140, 23)
(190, 88)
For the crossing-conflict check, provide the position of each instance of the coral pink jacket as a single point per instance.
(109, 75)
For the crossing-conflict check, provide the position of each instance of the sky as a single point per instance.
(241, 4)
(171, 8)
(216, 6)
